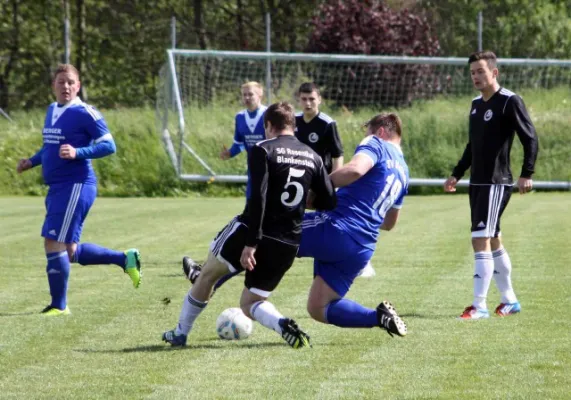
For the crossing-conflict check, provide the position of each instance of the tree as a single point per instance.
(373, 28)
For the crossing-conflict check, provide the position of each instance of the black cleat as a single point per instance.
(191, 269)
(389, 320)
(294, 336)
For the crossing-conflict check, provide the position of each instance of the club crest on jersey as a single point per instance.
(488, 115)
(313, 137)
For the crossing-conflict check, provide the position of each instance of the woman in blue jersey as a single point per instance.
(74, 132)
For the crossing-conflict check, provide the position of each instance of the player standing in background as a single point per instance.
(319, 131)
(372, 188)
(248, 125)
(74, 132)
(264, 239)
(494, 116)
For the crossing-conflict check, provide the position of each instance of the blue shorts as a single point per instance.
(338, 258)
(67, 206)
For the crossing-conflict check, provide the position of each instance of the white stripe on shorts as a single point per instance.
(218, 243)
(310, 223)
(70, 210)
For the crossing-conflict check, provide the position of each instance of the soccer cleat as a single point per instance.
(133, 267)
(389, 319)
(191, 269)
(294, 336)
(505, 309)
(174, 339)
(472, 312)
(368, 271)
(52, 311)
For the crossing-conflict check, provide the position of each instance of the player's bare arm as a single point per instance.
(247, 259)
(359, 165)
(225, 153)
(336, 163)
(450, 184)
(391, 219)
(23, 165)
(67, 152)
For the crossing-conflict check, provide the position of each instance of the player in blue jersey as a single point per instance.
(248, 125)
(372, 187)
(74, 132)
(341, 242)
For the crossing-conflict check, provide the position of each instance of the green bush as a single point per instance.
(435, 133)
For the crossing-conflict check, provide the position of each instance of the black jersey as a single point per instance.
(282, 170)
(492, 127)
(321, 135)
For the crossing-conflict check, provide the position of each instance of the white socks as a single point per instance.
(191, 309)
(502, 275)
(266, 314)
(483, 272)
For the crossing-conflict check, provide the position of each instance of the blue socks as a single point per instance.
(349, 314)
(58, 275)
(92, 254)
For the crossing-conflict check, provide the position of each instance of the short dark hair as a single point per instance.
(308, 87)
(390, 121)
(281, 115)
(66, 68)
(488, 56)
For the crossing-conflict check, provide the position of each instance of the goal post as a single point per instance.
(194, 83)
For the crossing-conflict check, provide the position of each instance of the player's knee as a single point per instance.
(52, 246)
(210, 274)
(316, 311)
(496, 243)
(481, 244)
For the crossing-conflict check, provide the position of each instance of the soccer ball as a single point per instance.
(232, 324)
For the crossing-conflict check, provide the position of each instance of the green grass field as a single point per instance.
(110, 346)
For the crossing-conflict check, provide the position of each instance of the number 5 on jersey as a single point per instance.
(298, 196)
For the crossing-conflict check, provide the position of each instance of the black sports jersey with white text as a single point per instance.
(321, 135)
(491, 134)
(282, 170)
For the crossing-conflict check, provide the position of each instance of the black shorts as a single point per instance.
(487, 204)
(273, 257)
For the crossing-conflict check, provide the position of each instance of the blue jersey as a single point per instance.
(362, 205)
(248, 130)
(79, 125)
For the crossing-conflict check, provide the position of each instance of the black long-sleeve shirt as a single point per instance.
(491, 134)
(282, 170)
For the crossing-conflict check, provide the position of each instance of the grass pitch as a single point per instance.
(110, 346)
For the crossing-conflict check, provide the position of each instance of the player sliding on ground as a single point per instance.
(372, 187)
(282, 170)
(74, 132)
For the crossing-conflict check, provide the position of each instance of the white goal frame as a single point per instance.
(169, 72)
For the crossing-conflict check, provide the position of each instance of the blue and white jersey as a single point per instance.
(362, 205)
(79, 125)
(249, 129)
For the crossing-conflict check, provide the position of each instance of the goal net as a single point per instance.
(198, 90)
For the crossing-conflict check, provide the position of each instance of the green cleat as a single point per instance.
(133, 267)
(52, 311)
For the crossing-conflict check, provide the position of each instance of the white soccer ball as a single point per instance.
(232, 324)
